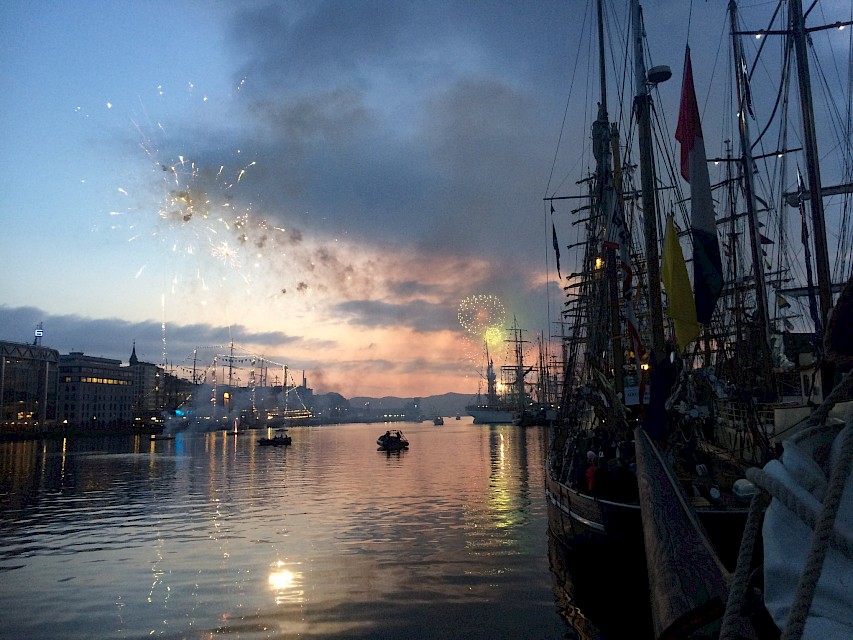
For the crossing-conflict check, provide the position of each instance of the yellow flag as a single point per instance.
(682, 308)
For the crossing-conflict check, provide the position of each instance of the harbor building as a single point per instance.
(148, 390)
(95, 394)
(28, 388)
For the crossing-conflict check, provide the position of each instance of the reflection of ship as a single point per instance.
(592, 580)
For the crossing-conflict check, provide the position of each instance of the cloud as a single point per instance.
(358, 170)
(114, 338)
(419, 315)
(404, 120)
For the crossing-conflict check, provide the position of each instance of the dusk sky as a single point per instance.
(321, 182)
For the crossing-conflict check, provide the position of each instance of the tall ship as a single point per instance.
(508, 403)
(707, 367)
(491, 408)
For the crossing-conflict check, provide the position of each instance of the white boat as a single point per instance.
(485, 414)
(490, 408)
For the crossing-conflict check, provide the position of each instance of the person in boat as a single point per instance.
(574, 473)
(592, 465)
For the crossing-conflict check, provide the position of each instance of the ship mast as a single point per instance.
(798, 31)
(606, 202)
(824, 279)
(800, 34)
(642, 107)
(747, 165)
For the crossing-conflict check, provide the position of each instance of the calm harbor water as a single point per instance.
(210, 534)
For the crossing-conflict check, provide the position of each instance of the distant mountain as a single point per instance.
(447, 404)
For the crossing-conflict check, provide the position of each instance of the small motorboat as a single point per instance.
(392, 440)
(162, 436)
(438, 421)
(280, 439)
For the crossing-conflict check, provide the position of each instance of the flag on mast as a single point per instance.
(555, 243)
(681, 307)
(707, 265)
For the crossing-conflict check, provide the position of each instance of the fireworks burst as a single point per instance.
(218, 235)
(493, 336)
(228, 254)
(483, 317)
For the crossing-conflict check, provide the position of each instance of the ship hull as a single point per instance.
(489, 415)
(575, 517)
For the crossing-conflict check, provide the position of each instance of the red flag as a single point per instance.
(707, 264)
(689, 123)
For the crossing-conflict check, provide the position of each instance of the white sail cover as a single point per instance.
(804, 470)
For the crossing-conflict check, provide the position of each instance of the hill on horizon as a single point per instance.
(446, 404)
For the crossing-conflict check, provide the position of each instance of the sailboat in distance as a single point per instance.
(507, 400)
(490, 408)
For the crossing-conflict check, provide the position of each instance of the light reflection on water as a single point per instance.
(329, 538)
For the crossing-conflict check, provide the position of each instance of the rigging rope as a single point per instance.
(737, 590)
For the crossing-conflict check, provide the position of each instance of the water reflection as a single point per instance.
(600, 588)
(210, 533)
(286, 584)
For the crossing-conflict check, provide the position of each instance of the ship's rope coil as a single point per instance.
(822, 523)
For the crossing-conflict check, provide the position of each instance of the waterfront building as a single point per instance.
(95, 394)
(28, 387)
(177, 392)
(148, 390)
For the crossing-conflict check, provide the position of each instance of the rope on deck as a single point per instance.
(823, 525)
(730, 629)
(807, 584)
